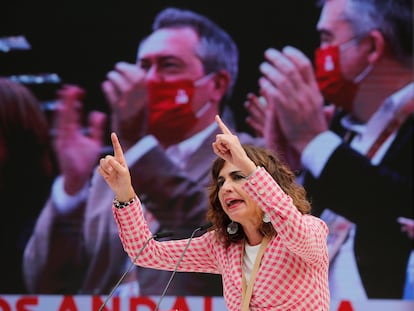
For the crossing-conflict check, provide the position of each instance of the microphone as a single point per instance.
(158, 235)
(203, 227)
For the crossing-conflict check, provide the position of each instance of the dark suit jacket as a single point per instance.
(82, 253)
(372, 197)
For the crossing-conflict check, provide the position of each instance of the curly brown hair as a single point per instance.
(281, 174)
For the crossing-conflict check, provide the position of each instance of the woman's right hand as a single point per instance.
(116, 173)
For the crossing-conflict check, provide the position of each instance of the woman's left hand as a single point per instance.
(228, 147)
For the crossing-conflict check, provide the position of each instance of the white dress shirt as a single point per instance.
(344, 279)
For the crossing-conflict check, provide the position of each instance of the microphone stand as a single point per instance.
(203, 227)
(155, 236)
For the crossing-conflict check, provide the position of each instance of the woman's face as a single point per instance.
(234, 200)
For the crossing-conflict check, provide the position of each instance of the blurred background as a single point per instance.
(78, 42)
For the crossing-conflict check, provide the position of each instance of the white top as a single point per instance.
(250, 254)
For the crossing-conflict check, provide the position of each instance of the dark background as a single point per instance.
(82, 40)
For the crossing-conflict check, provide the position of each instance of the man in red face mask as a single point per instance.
(348, 127)
(163, 110)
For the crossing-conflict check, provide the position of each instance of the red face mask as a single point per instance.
(171, 108)
(333, 86)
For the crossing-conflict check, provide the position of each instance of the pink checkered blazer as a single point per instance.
(293, 274)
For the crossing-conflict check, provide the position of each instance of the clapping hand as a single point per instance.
(407, 225)
(126, 93)
(77, 152)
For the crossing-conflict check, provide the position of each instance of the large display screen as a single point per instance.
(76, 259)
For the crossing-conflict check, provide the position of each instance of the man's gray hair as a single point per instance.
(393, 18)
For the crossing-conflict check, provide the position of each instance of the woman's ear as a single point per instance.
(377, 46)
